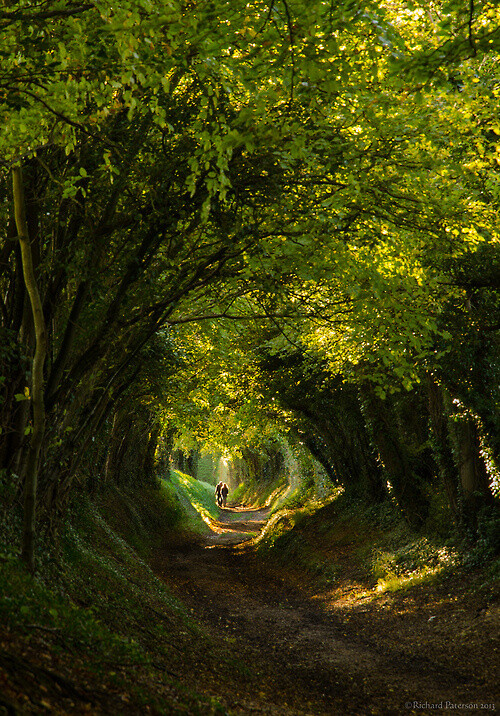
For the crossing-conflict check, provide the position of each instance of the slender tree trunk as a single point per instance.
(166, 451)
(119, 477)
(37, 397)
(115, 440)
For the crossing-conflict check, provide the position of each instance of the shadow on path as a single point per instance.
(236, 525)
(300, 650)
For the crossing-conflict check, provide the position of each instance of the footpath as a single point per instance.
(341, 649)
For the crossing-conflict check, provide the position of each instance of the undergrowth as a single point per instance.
(252, 492)
(95, 605)
(392, 556)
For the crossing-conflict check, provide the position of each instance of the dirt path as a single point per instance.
(237, 525)
(299, 649)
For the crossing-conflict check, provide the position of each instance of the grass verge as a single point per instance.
(195, 498)
(373, 544)
(95, 631)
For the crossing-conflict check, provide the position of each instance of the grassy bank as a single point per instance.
(196, 500)
(95, 631)
(381, 548)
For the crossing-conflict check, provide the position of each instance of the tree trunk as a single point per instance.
(441, 444)
(37, 396)
(405, 484)
(474, 482)
(149, 457)
(116, 443)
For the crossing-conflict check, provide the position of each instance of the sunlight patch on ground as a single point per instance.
(415, 563)
(393, 582)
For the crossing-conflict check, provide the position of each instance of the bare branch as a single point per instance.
(47, 15)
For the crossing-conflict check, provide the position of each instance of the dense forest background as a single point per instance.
(251, 230)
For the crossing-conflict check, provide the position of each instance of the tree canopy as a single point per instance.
(250, 219)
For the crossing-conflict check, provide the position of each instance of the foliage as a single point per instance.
(412, 563)
(248, 221)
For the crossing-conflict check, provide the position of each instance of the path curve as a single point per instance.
(237, 524)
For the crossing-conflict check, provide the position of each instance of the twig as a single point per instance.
(54, 630)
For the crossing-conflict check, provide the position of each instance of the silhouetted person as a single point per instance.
(218, 493)
(223, 491)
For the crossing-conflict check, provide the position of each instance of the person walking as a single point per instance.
(223, 491)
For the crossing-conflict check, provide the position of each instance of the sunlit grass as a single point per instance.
(196, 497)
(394, 583)
(411, 564)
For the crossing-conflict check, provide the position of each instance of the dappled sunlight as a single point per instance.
(237, 525)
(357, 590)
(394, 582)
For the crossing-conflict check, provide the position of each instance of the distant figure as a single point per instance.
(223, 491)
(218, 494)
